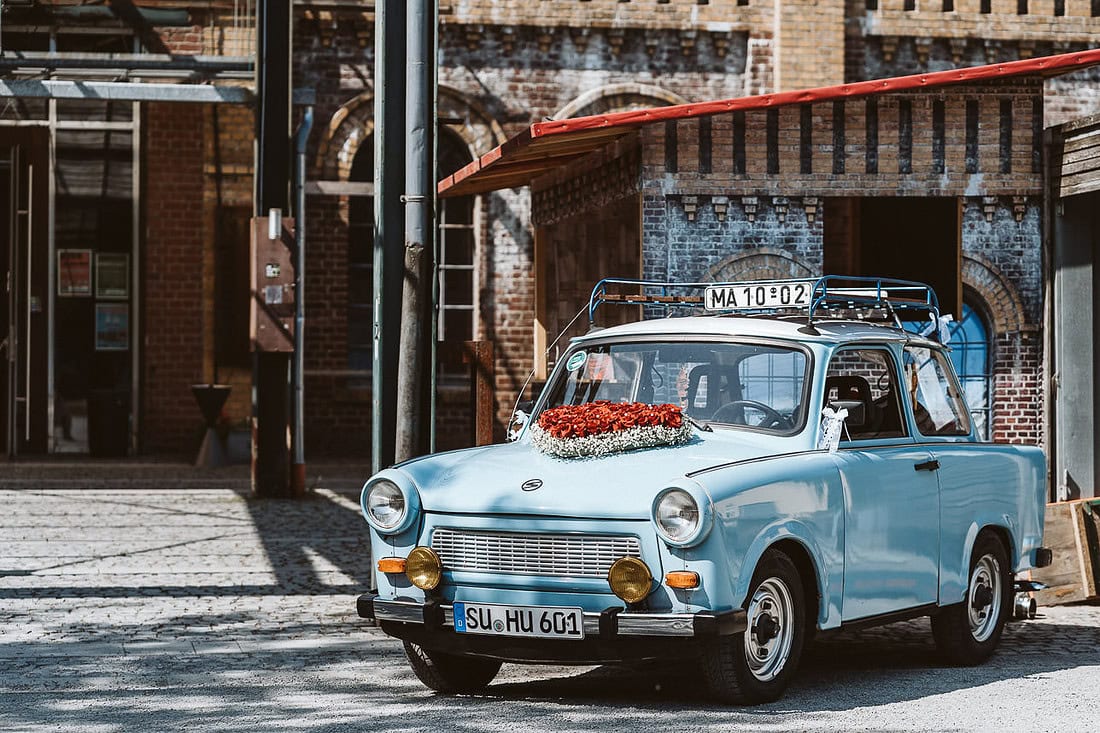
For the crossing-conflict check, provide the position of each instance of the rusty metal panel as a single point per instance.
(479, 355)
(271, 307)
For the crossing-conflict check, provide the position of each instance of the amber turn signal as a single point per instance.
(391, 565)
(683, 579)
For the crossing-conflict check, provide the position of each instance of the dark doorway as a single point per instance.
(24, 260)
(907, 238)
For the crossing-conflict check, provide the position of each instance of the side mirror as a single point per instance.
(857, 412)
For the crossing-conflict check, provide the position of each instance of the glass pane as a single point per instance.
(457, 210)
(458, 287)
(361, 244)
(94, 110)
(458, 325)
(703, 379)
(360, 328)
(23, 109)
(94, 164)
(937, 407)
(864, 382)
(82, 223)
(458, 246)
(360, 285)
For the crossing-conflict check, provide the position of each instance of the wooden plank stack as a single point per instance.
(1072, 532)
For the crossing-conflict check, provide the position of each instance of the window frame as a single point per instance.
(894, 370)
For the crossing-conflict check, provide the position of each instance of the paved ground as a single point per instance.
(208, 610)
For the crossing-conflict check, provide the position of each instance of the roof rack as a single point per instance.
(835, 296)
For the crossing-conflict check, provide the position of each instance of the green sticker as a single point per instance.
(576, 361)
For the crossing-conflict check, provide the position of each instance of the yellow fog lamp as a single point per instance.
(630, 579)
(423, 568)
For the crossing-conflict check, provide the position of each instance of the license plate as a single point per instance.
(545, 622)
(753, 296)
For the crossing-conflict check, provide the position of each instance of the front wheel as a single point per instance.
(757, 666)
(450, 673)
(967, 633)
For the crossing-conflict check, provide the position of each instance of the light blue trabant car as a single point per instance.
(826, 473)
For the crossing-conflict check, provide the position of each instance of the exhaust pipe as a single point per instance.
(1025, 608)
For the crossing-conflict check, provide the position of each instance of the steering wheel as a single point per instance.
(734, 412)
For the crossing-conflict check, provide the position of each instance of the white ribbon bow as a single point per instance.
(942, 327)
(519, 420)
(832, 425)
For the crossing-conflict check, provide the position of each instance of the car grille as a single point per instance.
(532, 554)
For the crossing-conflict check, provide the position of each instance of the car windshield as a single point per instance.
(741, 385)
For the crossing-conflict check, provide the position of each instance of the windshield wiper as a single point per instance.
(701, 425)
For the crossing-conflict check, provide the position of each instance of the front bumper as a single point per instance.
(615, 634)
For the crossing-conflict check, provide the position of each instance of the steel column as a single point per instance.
(270, 457)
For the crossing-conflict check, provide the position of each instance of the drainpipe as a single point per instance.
(297, 368)
(419, 208)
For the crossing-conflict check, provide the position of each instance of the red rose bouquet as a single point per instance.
(603, 427)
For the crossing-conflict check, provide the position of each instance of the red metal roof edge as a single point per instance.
(1043, 65)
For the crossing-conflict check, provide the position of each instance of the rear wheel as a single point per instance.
(968, 633)
(450, 673)
(757, 666)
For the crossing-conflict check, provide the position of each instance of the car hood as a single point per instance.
(490, 480)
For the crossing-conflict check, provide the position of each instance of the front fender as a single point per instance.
(792, 497)
(829, 609)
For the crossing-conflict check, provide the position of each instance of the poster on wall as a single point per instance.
(112, 326)
(112, 275)
(74, 272)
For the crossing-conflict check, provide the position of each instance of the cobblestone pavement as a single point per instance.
(209, 610)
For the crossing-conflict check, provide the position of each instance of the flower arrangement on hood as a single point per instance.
(602, 427)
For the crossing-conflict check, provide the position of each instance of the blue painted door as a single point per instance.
(891, 549)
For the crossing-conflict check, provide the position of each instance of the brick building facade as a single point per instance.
(505, 65)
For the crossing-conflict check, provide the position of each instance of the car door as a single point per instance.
(970, 475)
(891, 515)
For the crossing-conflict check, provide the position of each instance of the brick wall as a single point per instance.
(978, 139)
(173, 277)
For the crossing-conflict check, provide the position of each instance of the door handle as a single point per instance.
(932, 465)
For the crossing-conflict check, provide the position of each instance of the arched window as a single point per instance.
(457, 255)
(970, 354)
(361, 263)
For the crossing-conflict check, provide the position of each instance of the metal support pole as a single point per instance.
(419, 209)
(270, 408)
(297, 374)
(389, 181)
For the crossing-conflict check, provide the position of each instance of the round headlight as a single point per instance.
(677, 515)
(630, 579)
(423, 568)
(386, 504)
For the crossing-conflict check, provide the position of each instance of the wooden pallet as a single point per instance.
(1072, 532)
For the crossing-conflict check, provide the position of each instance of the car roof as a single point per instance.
(832, 332)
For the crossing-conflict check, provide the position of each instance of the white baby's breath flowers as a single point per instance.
(616, 441)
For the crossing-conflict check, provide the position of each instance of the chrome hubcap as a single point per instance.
(984, 598)
(770, 629)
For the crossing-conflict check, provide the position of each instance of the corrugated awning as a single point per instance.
(546, 146)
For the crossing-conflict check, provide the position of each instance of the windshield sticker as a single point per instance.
(576, 361)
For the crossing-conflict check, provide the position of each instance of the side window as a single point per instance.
(938, 408)
(864, 382)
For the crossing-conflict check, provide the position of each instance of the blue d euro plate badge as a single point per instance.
(544, 622)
